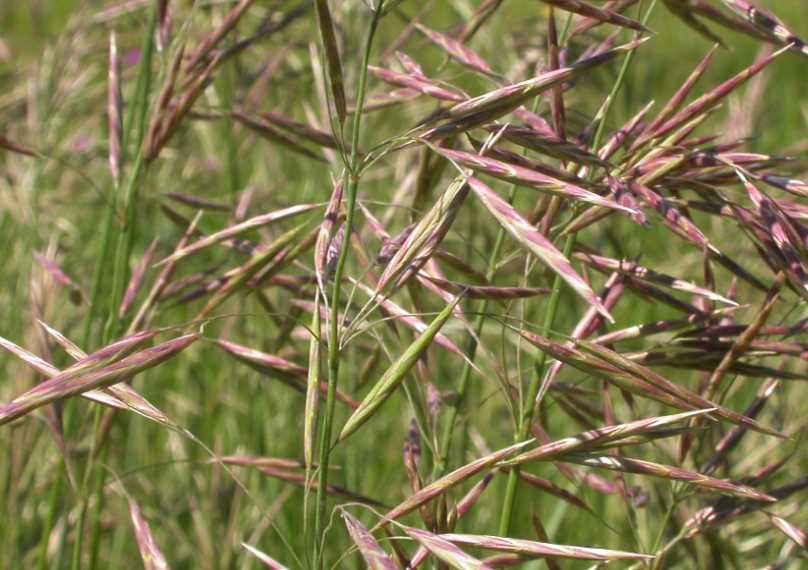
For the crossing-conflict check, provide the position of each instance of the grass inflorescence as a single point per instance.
(556, 249)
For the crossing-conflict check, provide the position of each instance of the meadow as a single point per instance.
(394, 284)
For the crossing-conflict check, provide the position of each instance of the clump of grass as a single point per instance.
(321, 229)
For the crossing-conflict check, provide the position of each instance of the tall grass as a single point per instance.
(255, 248)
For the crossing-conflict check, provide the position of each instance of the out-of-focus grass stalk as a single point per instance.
(54, 501)
(136, 117)
(123, 248)
(136, 122)
(98, 507)
(351, 186)
(528, 407)
(224, 92)
(103, 252)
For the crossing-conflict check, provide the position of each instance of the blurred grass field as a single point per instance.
(52, 96)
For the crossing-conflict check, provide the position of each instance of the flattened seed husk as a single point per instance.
(375, 557)
(394, 376)
(768, 23)
(541, 549)
(328, 37)
(457, 51)
(445, 550)
(151, 554)
(212, 39)
(711, 99)
(450, 480)
(793, 532)
(531, 239)
(265, 559)
(424, 238)
(629, 375)
(252, 461)
(288, 372)
(494, 104)
(487, 291)
(136, 280)
(641, 467)
(597, 13)
(420, 84)
(325, 236)
(114, 110)
(238, 229)
(529, 178)
(411, 320)
(121, 395)
(100, 396)
(311, 410)
(632, 268)
(70, 383)
(600, 437)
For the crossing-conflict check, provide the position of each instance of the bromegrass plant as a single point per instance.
(256, 248)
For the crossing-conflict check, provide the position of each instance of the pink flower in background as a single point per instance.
(82, 143)
(132, 57)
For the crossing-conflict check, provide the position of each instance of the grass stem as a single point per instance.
(352, 185)
(530, 405)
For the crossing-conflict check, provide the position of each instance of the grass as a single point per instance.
(479, 314)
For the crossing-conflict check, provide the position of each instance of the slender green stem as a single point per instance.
(84, 496)
(136, 120)
(663, 526)
(471, 351)
(445, 442)
(333, 336)
(224, 90)
(95, 515)
(530, 404)
(89, 318)
(123, 249)
(98, 274)
(136, 117)
(53, 507)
